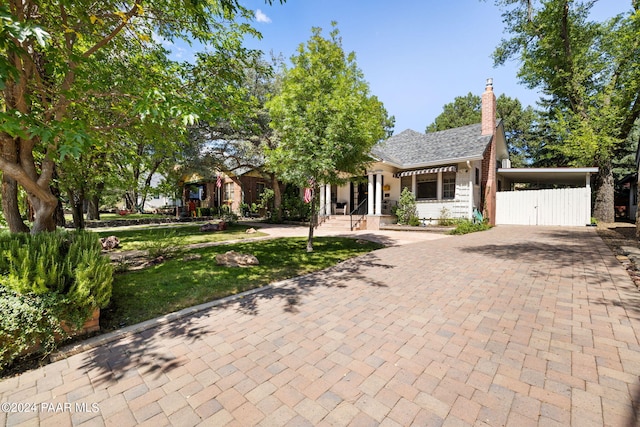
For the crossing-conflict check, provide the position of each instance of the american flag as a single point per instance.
(219, 182)
(307, 195)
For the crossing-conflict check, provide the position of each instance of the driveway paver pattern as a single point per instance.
(515, 326)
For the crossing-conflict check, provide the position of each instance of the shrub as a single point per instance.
(293, 207)
(445, 218)
(28, 321)
(46, 279)
(406, 211)
(167, 246)
(466, 226)
(414, 221)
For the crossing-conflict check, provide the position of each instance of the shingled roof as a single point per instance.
(413, 149)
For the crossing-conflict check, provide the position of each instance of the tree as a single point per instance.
(464, 110)
(518, 122)
(54, 62)
(325, 117)
(589, 73)
(239, 138)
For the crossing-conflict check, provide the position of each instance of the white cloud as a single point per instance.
(262, 17)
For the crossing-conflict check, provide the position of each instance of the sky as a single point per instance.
(416, 55)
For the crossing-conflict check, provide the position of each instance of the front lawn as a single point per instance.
(177, 284)
(180, 235)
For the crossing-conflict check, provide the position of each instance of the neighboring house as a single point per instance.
(626, 202)
(153, 201)
(232, 189)
(455, 172)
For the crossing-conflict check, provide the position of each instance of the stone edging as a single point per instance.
(77, 348)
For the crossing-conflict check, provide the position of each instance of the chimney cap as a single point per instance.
(490, 82)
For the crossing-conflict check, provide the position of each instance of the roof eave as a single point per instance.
(433, 163)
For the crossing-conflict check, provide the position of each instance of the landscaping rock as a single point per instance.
(192, 257)
(214, 227)
(110, 243)
(251, 231)
(236, 259)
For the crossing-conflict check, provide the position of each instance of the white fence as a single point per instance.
(564, 206)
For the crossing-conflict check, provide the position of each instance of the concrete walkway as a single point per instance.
(515, 326)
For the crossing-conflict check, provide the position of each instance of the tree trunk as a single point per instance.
(638, 198)
(10, 206)
(76, 200)
(58, 214)
(93, 211)
(277, 199)
(44, 210)
(312, 222)
(603, 206)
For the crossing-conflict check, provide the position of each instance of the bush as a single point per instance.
(167, 246)
(445, 219)
(29, 321)
(47, 279)
(406, 212)
(67, 263)
(466, 226)
(414, 221)
(293, 207)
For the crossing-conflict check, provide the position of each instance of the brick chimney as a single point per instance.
(489, 161)
(488, 109)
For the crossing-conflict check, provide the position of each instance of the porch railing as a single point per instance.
(357, 215)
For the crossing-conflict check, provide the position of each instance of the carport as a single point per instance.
(544, 196)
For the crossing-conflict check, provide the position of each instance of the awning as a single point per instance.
(425, 171)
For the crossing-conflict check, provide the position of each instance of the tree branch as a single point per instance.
(130, 14)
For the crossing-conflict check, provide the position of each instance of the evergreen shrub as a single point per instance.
(46, 279)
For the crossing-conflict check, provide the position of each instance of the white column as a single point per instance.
(414, 185)
(327, 199)
(378, 204)
(439, 186)
(370, 195)
(321, 207)
(588, 201)
(471, 191)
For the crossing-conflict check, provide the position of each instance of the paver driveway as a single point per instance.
(515, 326)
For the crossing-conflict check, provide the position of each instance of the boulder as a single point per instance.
(214, 227)
(251, 231)
(110, 243)
(236, 259)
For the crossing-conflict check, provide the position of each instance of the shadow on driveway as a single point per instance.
(140, 351)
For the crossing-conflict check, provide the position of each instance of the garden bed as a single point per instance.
(429, 228)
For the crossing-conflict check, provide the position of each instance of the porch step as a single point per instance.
(337, 222)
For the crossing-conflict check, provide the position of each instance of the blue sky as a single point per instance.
(417, 55)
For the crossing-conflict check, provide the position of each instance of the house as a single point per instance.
(456, 172)
(449, 172)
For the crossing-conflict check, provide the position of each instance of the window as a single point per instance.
(228, 191)
(477, 176)
(260, 188)
(427, 186)
(449, 185)
(405, 182)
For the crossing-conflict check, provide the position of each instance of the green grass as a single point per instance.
(177, 284)
(115, 216)
(141, 238)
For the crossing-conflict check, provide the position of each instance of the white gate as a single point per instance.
(562, 206)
